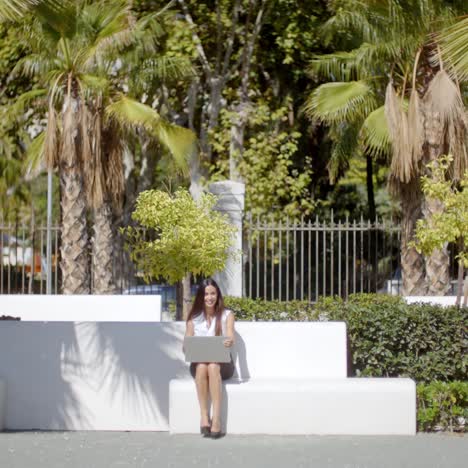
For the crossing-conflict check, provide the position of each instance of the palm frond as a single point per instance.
(34, 162)
(374, 133)
(94, 82)
(165, 69)
(51, 147)
(333, 103)
(350, 19)
(377, 55)
(443, 96)
(415, 127)
(113, 168)
(70, 124)
(443, 99)
(345, 145)
(110, 29)
(339, 66)
(17, 110)
(59, 16)
(14, 10)
(130, 113)
(33, 65)
(454, 46)
(402, 167)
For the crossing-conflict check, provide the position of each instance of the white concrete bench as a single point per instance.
(445, 301)
(82, 308)
(291, 379)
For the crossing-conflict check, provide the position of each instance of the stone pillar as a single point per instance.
(231, 197)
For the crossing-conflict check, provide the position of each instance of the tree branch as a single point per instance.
(230, 39)
(196, 38)
(249, 48)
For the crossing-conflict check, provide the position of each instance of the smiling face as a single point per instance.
(211, 296)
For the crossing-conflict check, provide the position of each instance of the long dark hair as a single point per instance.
(198, 306)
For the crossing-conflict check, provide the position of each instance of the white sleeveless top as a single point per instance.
(200, 324)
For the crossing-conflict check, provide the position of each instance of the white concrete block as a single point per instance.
(290, 349)
(88, 375)
(356, 406)
(82, 308)
(434, 300)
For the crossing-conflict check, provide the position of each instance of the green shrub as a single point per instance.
(442, 406)
(387, 337)
(270, 311)
(390, 338)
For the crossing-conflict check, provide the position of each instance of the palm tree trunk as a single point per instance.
(74, 242)
(103, 249)
(412, 262)
(438, 263)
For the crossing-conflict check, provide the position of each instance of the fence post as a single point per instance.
(231, 197)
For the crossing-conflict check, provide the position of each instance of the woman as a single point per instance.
(208, 317)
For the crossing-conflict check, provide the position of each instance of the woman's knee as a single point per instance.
(214, 369)
(201, 371)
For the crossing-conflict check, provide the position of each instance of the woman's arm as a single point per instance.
(189, 331)
(229, 341)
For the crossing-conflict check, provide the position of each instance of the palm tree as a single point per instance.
(15, 9)
(77, 60)
(393, 36)
(454, 47)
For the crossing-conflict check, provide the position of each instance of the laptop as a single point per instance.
(206, 349)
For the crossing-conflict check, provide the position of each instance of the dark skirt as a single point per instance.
(226, 369)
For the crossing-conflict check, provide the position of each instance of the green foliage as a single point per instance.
(454, 46)
(189, 236)
(442, 406)
(267, 165)
(391, 338)
(387, 337)
(272, 311)
(451, 224)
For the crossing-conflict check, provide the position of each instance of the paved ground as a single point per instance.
(161, 450)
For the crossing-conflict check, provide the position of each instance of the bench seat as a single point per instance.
(358, 406)
(291, 378)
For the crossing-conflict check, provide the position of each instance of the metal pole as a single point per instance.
(49, 232)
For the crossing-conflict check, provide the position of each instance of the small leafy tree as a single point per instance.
(451, 223)
(180, 236)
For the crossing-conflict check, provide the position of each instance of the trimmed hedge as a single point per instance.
(270, 311)
(387, 337)
(443, 406)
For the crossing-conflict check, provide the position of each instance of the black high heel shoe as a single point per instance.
(215, 434)
(205, 431)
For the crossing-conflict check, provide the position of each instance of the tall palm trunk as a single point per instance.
(74, 242)
(412, 262)
(103, 249)
(438, 263)
(74, 263)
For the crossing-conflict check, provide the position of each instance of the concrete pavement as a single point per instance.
(161, 450)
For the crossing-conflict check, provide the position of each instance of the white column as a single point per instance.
(231, 197)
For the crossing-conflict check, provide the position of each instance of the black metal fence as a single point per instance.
(284, 261)
(307, 259)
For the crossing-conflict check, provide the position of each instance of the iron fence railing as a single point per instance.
(307, 259)
(284, 261)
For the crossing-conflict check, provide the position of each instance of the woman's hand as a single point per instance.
(228, 341)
